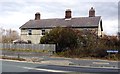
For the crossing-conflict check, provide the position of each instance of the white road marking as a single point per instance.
(103, 63)
(48, 70)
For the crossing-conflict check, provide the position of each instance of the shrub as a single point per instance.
(64, 38)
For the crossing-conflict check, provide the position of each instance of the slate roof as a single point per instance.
(74, 22)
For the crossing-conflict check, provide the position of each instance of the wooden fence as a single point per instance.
(50, 47)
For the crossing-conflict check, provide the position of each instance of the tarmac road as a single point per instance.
(11, 67)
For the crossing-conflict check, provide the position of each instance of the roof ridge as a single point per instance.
(64, 18)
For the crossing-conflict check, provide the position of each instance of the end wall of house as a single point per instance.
(100, 32)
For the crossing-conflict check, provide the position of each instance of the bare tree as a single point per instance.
(1, 34)
(9, 36)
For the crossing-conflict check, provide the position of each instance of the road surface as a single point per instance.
(45, 57)
(11, 67)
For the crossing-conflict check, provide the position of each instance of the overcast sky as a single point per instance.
(14, 13)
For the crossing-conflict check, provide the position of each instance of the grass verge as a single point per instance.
(27, 50)
(112, 57)
(12, 58)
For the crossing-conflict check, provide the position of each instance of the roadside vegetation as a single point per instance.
(82, 44)
(26, 50)
(12, 58)
(64, 38)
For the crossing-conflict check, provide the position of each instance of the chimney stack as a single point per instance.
(37, 16)
(68, 13)
(92, 12)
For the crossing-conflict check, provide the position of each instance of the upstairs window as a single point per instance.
(43, 31)
(29, 32)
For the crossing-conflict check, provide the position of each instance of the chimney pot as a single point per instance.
(37, 16)
(92, 12)
(68, 13)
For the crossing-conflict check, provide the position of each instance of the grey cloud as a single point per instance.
(107, 9)
(119, 16)
(7, 7)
